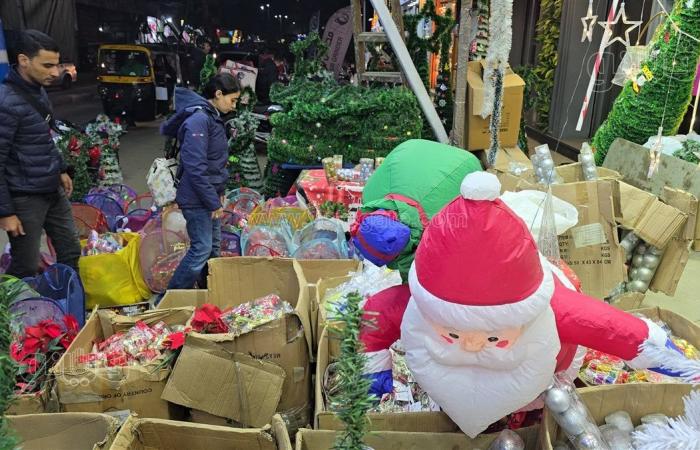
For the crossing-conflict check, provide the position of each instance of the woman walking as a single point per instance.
(199, 128)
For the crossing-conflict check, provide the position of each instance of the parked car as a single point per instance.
(67, 75)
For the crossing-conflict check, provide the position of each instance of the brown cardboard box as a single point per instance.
(147, 434)
(319, 307)
(280, 347)
(637, 399)
(66, 431)
(681, 327)
(504, 158)
(44, 401)
(411, 422)
(476, 127)
(396, 440)
(109, 389)
(632, 161)
(178, 298)
(628, 301)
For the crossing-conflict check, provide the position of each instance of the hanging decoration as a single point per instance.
(478, 47)
(501, 32)
(665, 95)
(243, 164)
(588, 21)
(631, 25)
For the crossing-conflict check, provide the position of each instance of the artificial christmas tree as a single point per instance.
(659, 95)
(243, 162)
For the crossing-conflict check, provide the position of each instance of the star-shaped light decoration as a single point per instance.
(632, 25)
(588, 23)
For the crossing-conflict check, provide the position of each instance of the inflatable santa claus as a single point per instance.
(486, 320)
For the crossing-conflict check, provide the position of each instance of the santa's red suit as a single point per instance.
(486, 320)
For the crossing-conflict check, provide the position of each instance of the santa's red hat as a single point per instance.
(477, 266)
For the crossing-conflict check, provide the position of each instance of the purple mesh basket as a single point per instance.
(109, 207)
(31, 311)
(135, 219)
(61, 284)
(143, 201)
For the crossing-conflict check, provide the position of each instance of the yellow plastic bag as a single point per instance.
(114, 279)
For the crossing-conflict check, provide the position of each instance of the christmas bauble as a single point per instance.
(651, 261)
(589, 441)
(620, 420)
(626, 246)
(637, 260)
(655, 418)
(557, 400)
(587, 159)
(644, 274)
(654, 251)
(507, 440)
(590, 172)
(641, 249)
(572, 422)
(547, 164)
(637, 286)
(634, 273)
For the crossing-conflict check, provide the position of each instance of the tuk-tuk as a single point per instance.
(136, 82)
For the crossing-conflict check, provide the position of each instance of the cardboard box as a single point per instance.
(476, 127)
(44, 401)
(393, 440)
(276, 353)
(504, 158)
(628, 301)
(179, 298)
(680, 326)
(147, 434)
(111, 389)
(318, 306)
(66, 431)
(632, 161)
(425, 421)
(637, 399)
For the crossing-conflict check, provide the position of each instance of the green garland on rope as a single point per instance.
(689, 152)
(304, 64)
(353, 399)
(207, 72)
(478, 47)
(672, 63)
(9, 289)
(547, 35)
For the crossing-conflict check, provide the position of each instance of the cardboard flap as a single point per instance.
(225, 384)
(687, 203)
(475, 81)
(178, 298)
(112, 322)
(64, 431)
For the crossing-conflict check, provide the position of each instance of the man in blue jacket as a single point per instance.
(34, 185)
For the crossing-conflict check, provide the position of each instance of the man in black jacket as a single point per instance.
(34, 185)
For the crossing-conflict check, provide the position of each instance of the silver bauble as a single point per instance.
(507, 440)
(547, 164)
(637, 286)
(620, 420)
(655, 418)
(626, 245)
(641, 249)
(587, 158)
(643, 273)
(634, 273)
(651, 261)
(557, 400)
(589, 441)
(654, 251)
(637, 261)
(572, 422)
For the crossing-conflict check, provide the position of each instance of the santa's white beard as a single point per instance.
(481, 388)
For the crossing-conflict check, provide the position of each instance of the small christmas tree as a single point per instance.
(661, 92)
(243, 161)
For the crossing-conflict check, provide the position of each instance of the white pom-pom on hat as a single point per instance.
(480, 186)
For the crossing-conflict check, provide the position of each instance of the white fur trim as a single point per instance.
(378, 361)
(480, 186)
(656, 338)
(483, 318)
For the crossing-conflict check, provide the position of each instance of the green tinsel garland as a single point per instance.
(74, 147)
(672, 62)
(353, 399)
(9, 289)
(207, 72)
(526, 73)
(689, 152)
(478, 47)
(304, 65)
(323, 118)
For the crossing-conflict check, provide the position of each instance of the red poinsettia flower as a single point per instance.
(16, 352)
(175, 340)
(31, 345)
(50, 329)
(205, 317)
(71, 323)
(32, 365)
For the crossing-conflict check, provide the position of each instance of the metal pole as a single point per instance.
(409, 70)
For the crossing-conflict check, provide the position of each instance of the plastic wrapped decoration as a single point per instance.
(321, 239)
(573, 416)
(628, 244)
(110, 207)
(243, 201)
(61, 284)
(587, 160)
(544, 165)
(263, 240)
(88, 218)
(160, 253)
(143, 201)
(230, 235)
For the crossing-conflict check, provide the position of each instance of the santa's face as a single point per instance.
(475, 341)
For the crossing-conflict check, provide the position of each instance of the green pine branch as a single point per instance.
(353, 400)
(9, 289)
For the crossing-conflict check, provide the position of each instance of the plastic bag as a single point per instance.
(529, 206)
(321, 239)
(114, 279)
(162, 180)
(266, 241)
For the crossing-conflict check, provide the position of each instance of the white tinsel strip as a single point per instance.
(667, 359)
(682, 433)
(500, 41)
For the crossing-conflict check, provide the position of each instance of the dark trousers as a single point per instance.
(37, 212)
